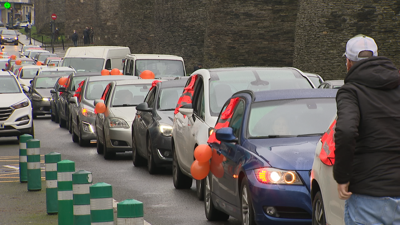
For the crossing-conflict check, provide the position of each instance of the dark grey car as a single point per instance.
(9, 36)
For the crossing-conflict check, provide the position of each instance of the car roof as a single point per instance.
(24, 59)
(111, 78)
(31, 67)
(49, 75)
(249, 68)
(5, 73)
(138, 81)
(57, 68)
(154, 56)
(54, 58)
(260, 96)
(173, 83)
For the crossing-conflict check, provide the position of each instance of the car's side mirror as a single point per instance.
(73, 100)
(25, 88)
(53, 91)
(143, 107)
(97, 101)
(61, 89)
(186, 109)
(225, 134)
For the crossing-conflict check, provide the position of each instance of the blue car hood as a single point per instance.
(287, 153)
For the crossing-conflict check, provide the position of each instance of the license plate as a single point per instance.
(9, 40)
(1, 125)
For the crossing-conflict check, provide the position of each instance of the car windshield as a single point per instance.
(161, 68)
(291, 118)
(316, 81)
(45, 82)
(8, 85)
(61, 73)
(26, 62)
(34, 53)
(76, 81)
(55, 62)
(226, 82)
(42, 57)
(28, 73)
(8, 32)
(95, 89)
(84, 64)
(129, 95)
(168, 98)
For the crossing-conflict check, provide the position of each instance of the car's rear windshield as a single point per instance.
(8, 84)
(95, 89)
(45, 82)
(129, 95)
(84, 64)
(161, 68)
(61, 73)
(168, 98)
(28, 73)
(288, 118)
(226, 82)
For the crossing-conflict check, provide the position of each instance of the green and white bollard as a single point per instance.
(51, 161)
(101, 204)
(130, 212)
(33, 166)
(82, 180)
(23, 159)
(65, 169)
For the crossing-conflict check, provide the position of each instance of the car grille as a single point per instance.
(292, 213)
(5, 113)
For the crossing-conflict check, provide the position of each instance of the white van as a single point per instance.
(95, 58)
(162, 66)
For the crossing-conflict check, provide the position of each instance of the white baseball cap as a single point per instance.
(358, 44)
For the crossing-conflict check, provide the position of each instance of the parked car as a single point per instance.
(34, 52)
(64, 115)
(16, 65)
(41, 57)
(208, 89)
(113, 127)
(152, 126)
(25, 47)
(63, 71)
(264, 150)
(15, 108)
(53, 60)
(39, 93)
(315, 78)
(27, 73)
(28, 51)
(53, 101)
(327, 207)
(24, 24)
(9, 36)
(331, 84)
(82, 112)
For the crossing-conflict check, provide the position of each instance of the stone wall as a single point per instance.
(44, 9)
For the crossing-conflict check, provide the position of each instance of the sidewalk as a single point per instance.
(24, 40)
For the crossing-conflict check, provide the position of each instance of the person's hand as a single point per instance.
(343, 190)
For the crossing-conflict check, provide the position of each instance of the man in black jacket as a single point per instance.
(367, 136)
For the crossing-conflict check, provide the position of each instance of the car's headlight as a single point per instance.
(88, 112)
(118, 123)
(36, 97)
(20, 104)
(165, 129)
(46, 99)
(275, 176)
(15, 38)
(2, 37)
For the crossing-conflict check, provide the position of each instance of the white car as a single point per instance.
(15, 108)
(27, 73)
(211, 88)
(327, 207)
(59, 70)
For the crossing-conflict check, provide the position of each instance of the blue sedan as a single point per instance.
(263, 150)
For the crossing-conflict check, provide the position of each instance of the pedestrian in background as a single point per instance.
(74, 38)
(198, 66)
(367, 167)
(86, 32)
(91, 35)
(56, 34)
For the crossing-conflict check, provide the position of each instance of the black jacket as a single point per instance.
(367, 134)
(74, 37)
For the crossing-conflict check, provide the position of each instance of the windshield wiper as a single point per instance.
(166, 109)
(312, 134)
(272, 136)
(123, 105)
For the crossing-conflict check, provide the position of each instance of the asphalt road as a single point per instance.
(163, 204)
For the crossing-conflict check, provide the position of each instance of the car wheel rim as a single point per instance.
(319, 212)
(245, 206)
(207, 196)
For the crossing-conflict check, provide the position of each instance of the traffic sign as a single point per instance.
(53, 16)
(7, 5)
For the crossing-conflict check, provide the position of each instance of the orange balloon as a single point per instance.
(13, 56)
(216, 158)
(147, 74)
(18, 62)
(115, 71)
(120, 73)
(38, 63)
(203, 153)
(62, 80)
(199, 170)
(217, 169)
(105, 72)
(100, 107)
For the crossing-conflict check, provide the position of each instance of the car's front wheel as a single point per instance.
(212, 213)
(181, 181)
(107, 153)
(151, 164)
(99, 145)
(318, 217)
(136, 158)
(246, 204)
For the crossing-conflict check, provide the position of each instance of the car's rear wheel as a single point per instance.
(70, 125)
(212, 213)
(181, 181)
(200, 189)
(151, 165)
(136, 158)
(107, 153)
(318, 217)
(246, 204)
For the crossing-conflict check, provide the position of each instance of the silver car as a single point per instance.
(113, 127)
